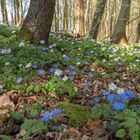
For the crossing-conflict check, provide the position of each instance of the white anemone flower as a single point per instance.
(120, 91)
(65, 78)
(28, 65)
(21, 44)
(58, 72)
(112, 86)
(42, 42)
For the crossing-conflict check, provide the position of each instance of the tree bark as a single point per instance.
(65, 16)
(4, 12)
(119, 33)
(79, 10)
(38, 21)
(138, 33)
(97, 19)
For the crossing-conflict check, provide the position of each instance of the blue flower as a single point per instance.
(118, 106)
(52, 70)
(66, 58)
(41, 72)
(71, 77)
(97, 100)
(72, 67)
(112, 98)
(74, 73)
(90, 74)
(67, 71)
(33, 46)
(86, 63)
(19, 80)
(1, 87)
(106, 93)
(34, 66)
(129, 93)
(47, 116)
(123, 98)
(45, 49)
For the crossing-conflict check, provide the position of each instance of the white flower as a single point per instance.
(28, 65)
(65, 78)
(42, 42)
(5, 51)
(75, 89)
(64, 55)
(54, 45)
(58, 72)
(78, 63)
(104, 60)
(51, 50)
(8, 50)
(51, 46)
(20, 65)
(103, 49)
(92, 69)
(120, 91)
(21, 44)
(112, 86)
(7, 63)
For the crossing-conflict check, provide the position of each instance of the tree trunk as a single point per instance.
(4, 12)
(65, 16)
(119, 33)
(56, 18)
(138, 33)
(38, 21)
(79, 10)
(97, 19)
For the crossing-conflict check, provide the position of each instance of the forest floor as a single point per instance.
(75, 89)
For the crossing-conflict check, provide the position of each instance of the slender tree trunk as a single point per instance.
(4, 12)
(65, 16)
(119, 33)
(97, 19)
(138, 33)
(38, 21)
(57, 16)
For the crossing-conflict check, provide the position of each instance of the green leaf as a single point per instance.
(5, 137)
(129, 122)
(30, 88)
(17, 115)
(134, 136)
(97, 111)
(120, 133)
(134, 129)
(37, 88)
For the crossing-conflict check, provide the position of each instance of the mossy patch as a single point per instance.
(77, 114)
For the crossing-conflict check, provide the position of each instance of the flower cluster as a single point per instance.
(120, 98)
(116, 96)
(5, 51)
(49, 115)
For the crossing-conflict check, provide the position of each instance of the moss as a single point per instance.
(77, 114)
